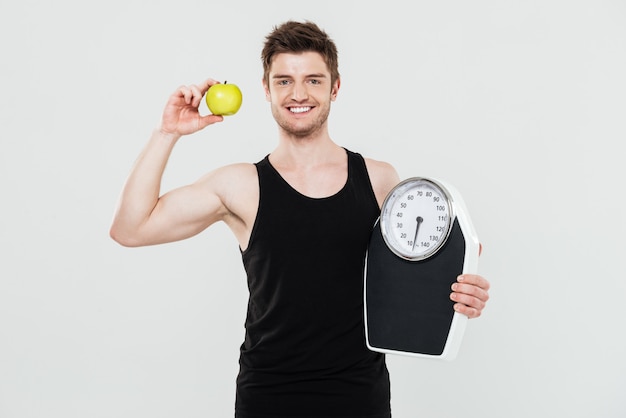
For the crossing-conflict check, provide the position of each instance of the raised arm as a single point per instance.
(142, 216)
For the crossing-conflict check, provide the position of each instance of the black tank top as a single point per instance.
(304, 353)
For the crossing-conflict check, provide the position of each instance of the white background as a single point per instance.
(520, 104)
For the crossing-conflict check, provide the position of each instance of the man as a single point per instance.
(302, 217)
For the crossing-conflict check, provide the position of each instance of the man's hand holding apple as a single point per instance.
(181, 115)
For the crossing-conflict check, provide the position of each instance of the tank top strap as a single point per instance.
(359, 179)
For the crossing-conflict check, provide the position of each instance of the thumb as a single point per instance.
(207, 120)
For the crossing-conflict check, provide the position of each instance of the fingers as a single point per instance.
(192, 94)
(206, 85)
(471, 293)
(474, 280)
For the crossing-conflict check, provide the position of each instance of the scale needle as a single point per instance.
(419, 220)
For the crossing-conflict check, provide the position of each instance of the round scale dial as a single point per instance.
(416, 218)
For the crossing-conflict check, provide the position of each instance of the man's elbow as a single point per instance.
(123, 238)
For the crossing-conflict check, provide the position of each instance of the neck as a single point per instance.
(302, 151)
(314, 168)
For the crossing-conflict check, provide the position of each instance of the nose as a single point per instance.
(299, 92)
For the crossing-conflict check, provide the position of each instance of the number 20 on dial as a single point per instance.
(416, 218)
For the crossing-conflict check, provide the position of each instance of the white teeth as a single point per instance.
(299, 109)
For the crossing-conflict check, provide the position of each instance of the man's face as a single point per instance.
(300, 91)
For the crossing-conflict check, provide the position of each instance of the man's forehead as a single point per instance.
(308, 61)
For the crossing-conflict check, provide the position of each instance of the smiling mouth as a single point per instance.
(300, 109)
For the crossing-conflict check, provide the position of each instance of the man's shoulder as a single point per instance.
(230, 177)
(237, 186)
(383, 177)
(380, 170)
(239, 169)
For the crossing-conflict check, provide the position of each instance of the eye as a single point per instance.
(315, 81)
(283, 82)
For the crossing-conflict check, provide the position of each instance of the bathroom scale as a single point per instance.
(422, 240)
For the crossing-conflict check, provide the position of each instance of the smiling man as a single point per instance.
(302, 217)
(301, 85)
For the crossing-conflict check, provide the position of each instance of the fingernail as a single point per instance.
(460, 278)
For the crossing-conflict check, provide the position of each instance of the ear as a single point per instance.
(335, 89)
(268, 96)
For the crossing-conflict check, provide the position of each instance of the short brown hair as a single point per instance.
(296, 37)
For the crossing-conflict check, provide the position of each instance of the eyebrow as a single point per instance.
(315, 75)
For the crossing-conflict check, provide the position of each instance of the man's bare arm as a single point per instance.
(142, 216)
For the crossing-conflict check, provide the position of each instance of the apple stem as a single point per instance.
(225, 81)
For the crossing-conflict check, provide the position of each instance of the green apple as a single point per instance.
(223, 99)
